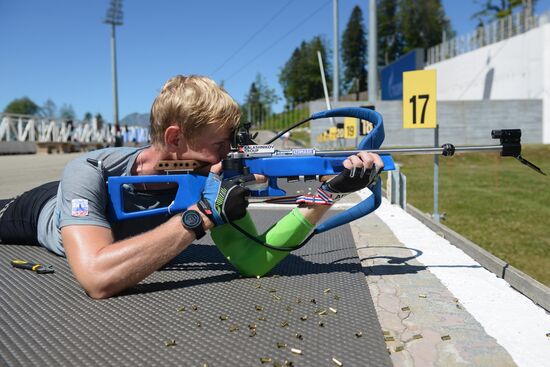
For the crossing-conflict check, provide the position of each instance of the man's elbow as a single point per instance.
(100, 288)
(98, 293)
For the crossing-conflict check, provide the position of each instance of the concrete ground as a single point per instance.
(19, 173)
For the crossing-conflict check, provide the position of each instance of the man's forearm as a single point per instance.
(313, 213)
(125, 263)
(109, 269)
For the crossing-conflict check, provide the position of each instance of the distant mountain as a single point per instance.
(136, 119)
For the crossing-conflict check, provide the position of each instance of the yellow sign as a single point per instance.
(333, 133)
(419, 102)
(350, 128)
(366, 127)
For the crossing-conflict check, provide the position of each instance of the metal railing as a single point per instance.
(41, 129)
(499, 30)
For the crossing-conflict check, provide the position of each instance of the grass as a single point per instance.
(280, 121)
(496, 202)
(302, 136)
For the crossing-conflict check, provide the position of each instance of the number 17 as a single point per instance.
(425, 97)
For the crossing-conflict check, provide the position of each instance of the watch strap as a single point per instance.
(192, 220)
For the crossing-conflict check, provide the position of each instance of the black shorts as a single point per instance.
(19, 216)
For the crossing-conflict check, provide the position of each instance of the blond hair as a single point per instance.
(192, 102)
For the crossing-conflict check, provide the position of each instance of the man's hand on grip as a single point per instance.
(360, 171)
(225, 201)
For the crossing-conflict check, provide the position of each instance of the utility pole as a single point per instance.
(336, 53)
(114, 18)
(373, 52)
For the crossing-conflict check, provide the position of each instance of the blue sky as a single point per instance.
(60, 49)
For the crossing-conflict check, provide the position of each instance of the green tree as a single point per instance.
(491, 11)
(48, 109)
(390, 38)
(300, 77)
(423, 23)
(289, 76)
(354, 53)
(259, 100)
(22, 106)
(66, 112)
(251, 108)
(88, 117)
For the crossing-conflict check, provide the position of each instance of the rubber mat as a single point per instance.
(313, 309)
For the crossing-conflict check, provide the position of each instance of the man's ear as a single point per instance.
(173, 139)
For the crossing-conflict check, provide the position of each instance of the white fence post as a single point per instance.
(5, 128)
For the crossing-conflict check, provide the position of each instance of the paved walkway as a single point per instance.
(437, 306)
(424, 324)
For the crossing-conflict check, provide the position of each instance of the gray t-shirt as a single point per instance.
(83, 199)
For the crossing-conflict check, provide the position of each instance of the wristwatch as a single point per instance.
(191, 219)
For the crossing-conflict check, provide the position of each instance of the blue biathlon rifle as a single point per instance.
(247, 157)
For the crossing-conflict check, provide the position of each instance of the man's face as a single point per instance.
(210, 146)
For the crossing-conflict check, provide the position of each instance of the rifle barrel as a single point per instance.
(434, 150)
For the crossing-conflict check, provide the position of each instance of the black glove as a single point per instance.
(224, 201)
(344, 183)
(352, 180)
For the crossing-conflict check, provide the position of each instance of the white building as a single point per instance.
(516, 68)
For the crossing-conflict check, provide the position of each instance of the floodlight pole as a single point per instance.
(335, 52)
(373, 52)
(114, 18)
(115, 85)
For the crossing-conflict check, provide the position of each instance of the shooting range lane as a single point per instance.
(437, 274)
(199, 303)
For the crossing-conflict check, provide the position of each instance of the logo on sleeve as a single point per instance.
(79, 207)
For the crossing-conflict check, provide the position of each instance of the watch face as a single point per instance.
(192, 219)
